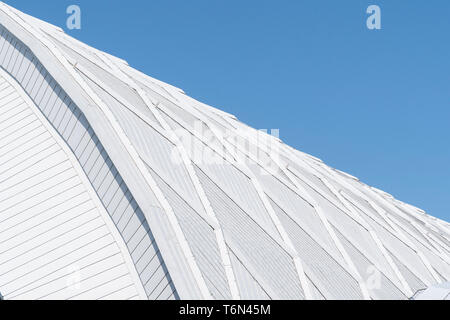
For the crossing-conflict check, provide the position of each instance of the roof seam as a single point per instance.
(235, 164)
(141, 117)
(275, 220)
(218, 231)
(406, 289)
(381, 212)
(333, 236)
(369, 229)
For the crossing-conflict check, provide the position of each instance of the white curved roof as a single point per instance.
(182, 199)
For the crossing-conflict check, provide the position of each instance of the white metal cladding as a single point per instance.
(248, 286)
(256, 245)
(122, 152)
(414, 282)
(154, 148)
(72, 125)
(327, 273)
(202, 239)
(51, 230)
(98, 69)
(292, 227)
(386, 289)
(297, 208)
(240, 188)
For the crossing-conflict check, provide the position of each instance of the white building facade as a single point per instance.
(114, 185)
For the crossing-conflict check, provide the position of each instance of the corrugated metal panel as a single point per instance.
(68, 120)
(315, 291)
(317, 183)
(407, 228)
(187, 117)
(431, 224)
(258, 258)
(199, 151)
(432, 231)
(97, 67)
(353, 231)
(401, 251)
(436, 261)
(249, 288)
(239, 187)
(410, 229)
(296, 207)
(75, 49)
(413, 281)
(202, 240)
(156, 150)
(49, 225)
(370, 273)
(382, 264)
(139, 76)
(249, 145)
(215, 113)
(328, 271)
(363, 205)
(271, 261)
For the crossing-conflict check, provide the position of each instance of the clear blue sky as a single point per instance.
(375, 104)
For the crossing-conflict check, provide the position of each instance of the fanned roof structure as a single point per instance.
(114, 185)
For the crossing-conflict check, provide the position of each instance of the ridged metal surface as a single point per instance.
(288, 221)
(72, 125)
(255, 244)
(50, 227)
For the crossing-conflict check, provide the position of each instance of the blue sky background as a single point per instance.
(375, 104)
